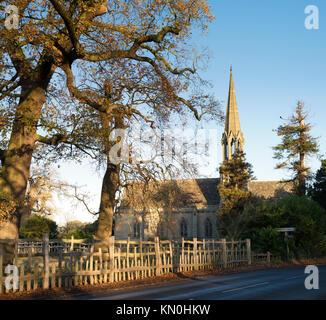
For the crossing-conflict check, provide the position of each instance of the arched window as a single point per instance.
(183, 228)
(226, 152)
(208, 228)
(233, 146)
(136, 229)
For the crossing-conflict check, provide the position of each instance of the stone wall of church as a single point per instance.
(124, 226)
(201, 224)
(195, 224)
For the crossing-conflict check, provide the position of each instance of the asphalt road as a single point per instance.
(269, 284)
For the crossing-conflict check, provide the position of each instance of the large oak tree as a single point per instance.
(58, 37)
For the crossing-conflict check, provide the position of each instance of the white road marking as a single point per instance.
(293, 277)
(241, 288)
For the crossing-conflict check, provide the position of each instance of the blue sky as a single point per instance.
(275, 60)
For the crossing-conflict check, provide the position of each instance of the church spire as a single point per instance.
(232, 137)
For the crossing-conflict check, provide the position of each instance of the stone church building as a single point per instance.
(187, 208)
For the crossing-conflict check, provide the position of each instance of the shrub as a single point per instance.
(36, 226)
(268, 239)
(83, 232)
(309, 239)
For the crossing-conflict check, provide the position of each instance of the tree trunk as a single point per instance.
(110, 185)
(16, 165)
(26, 213)
(302, 175)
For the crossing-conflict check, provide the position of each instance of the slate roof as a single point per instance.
(199, 193)
(270, 190)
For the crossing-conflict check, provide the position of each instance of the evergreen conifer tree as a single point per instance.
(297, 144)
(233, 190)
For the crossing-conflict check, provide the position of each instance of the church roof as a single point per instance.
(270, 190)
(177, 194)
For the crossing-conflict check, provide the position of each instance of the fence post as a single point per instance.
(111, 253)
(46, 261)
(141, 257)
(60, 259)
(182, 256)
(72, 243)
(101, 264)
(224, 253)
(195, 254)
(204, 253)
(233, 253)
(171, 255)
(127, 259)
(158, 256)
(248, 245)
(16, 251)
(29, 256)
(268, 257)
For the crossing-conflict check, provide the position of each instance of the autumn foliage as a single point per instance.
(139, 53)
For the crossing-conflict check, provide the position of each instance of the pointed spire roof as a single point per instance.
(232, 121)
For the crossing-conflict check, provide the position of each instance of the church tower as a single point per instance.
(232, 138)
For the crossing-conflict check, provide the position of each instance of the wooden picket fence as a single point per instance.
(125, 260)
(32, 246)
(264, 258)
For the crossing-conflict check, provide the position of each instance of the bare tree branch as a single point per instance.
(82, 200)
